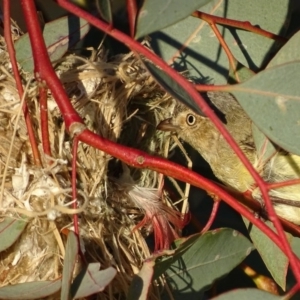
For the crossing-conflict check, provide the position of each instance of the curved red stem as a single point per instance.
(12, 57)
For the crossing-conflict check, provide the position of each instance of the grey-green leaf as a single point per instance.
(288, 53)
(264, 147)
(155, 14)
(10, 230)
(272, 100)
(141, 282)
(30, 290)
(268, 250)
(59, 35)
(69, 264)
(192, 45)
(211, 256)
(246, 294)
(172, 87)
(105, 11)
(91, 280)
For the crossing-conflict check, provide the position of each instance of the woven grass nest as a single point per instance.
(118, 100)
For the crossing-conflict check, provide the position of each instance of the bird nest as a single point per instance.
(118, 100)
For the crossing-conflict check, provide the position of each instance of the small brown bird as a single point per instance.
(202, 135)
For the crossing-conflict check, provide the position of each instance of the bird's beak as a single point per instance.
(166, 125)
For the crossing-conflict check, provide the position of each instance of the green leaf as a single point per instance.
(246, 294)
(209, 257)
(288, 53)
(268, 251)
(172, 87)
(272, 100)
(10, 230)
(104, 8)
(91, 280)
(295, 244)
(30, 290)
(155, 14)
(59, 35)
(141, 282)
(264, 147)
(69, 264)
(241, 73)
(171, 256)
(191, 44)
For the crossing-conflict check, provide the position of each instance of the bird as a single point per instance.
(200, 132)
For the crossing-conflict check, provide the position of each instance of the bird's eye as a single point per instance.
(190, 119)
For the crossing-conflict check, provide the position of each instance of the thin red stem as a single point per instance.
(42, 65)
(276, 185)
(238, 24)
(132, 15)
(291, 292)
(212, 216)
(74, 188)
(230, 57)
(12, 57)
(44, 120)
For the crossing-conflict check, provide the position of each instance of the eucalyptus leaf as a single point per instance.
(264, 147)
(239, 74)
(246, 294)
(172, 87)
(191, 44)
(10, 230)
(91, 280)
(69, 264)
(141, 282)
(59, 35)
(271, 98)
(105, 11)
(30, 290)
(275, 260)
(209, 257)
(155, 14)
(288, 53)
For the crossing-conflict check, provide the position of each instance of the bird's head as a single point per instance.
(194, 129)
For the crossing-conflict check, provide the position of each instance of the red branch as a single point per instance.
(74, 190)
(132, 14)
(238, 24)
(230, 56)
(212, 215)
(44, 120)
(12, 57)
(42, 66)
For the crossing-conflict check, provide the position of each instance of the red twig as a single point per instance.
(44, 120)
(74, 189)
(212, 216)
(132, 15)
(238, 24)
(12, 57)
(42, 65)
(291, 292)
(276, 185)
(230, 57)
(208, 88)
